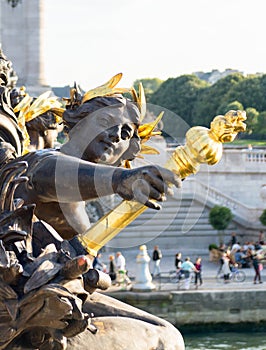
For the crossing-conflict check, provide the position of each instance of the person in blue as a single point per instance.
(97, 263)
(187, 267)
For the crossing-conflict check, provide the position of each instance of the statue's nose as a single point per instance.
(114, 133)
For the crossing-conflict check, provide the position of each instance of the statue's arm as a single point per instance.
(68, 179)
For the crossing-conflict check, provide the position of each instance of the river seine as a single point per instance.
(225, 341)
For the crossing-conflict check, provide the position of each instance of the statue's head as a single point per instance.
(17, 95)
(105, 129)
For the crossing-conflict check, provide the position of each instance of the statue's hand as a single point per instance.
(145, 185)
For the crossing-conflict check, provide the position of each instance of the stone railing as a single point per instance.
(255, 156)
(205, 193)
(255, 159)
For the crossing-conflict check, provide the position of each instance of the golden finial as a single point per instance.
(204, 145)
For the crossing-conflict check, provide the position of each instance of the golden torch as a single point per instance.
(202, 145)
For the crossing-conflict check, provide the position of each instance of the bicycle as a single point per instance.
(235, 275)
(178, 277)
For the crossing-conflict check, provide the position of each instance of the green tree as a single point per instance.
(179, 96)
(248, 91)
(260, 128)
(220, 217)
(225, 107)
(150, 85)
(252, 120)
(212, 97)
(263, 217)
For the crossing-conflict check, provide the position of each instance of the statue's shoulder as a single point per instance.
(36, 157)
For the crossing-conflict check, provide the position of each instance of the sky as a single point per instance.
(89, 41)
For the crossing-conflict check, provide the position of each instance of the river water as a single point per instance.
(225, 341)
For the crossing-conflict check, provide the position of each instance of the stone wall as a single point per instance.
(208, 307)
(240, 174)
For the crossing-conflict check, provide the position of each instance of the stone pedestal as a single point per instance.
(143, 277)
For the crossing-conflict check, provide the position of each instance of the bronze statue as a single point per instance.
(105, 134)
(37, 117)
(41, 299)
(53, 179)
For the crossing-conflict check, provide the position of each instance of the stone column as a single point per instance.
(22, 41)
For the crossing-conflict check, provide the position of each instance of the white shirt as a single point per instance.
(121, 263)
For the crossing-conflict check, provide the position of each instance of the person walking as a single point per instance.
(261, 237)
(156, 257)
(233, 239)
(256, 265)
(225, 268)
(198, 276)
(97, 263)
(112, 268)
(187, 267)
(121, 269)
(178, 261)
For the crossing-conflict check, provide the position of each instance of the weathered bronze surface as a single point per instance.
(43, 302)
(45, 286)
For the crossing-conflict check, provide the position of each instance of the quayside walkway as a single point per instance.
(210, 304)
(209, 272)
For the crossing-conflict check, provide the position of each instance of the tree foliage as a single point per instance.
(252, 120)
(150, 85)
(198, 102)
(220, 217)
(213, 97)
(225, 107)
(179, 95)
(260, 128)
(263, 217)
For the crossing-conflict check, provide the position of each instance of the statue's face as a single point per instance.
(110, 132)
(104, 130)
